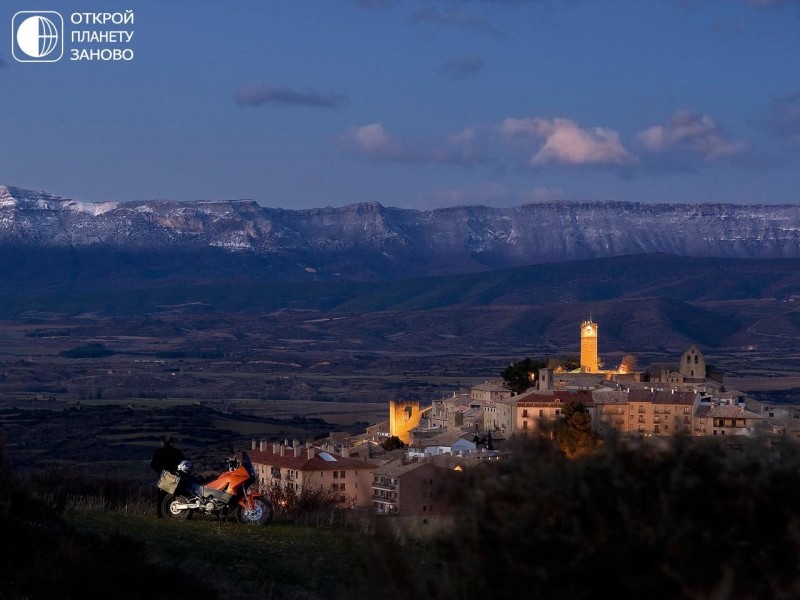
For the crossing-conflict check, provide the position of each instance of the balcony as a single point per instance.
(389, 487)
(384, 500)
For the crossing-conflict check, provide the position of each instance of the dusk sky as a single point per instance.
(418, 104)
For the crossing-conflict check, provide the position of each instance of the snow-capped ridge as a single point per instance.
(387, 241)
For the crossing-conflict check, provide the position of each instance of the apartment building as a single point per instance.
(297, 466)
(408, 489)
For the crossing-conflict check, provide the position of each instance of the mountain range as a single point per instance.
(370, 241)
(719, 274)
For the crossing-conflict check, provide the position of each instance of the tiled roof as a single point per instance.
(661, 396)
(584, 396)
(730, 411)
(610, 397)
(491, 386)
(303, 463)
(396, 468)
(443, 439)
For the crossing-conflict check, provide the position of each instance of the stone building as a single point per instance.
(493, 391)
(661, 412)
(408, 489)
(404, 415)
(297, 466)
(726, 419)
(589, 358)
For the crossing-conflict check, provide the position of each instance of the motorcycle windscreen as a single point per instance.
(248, 464)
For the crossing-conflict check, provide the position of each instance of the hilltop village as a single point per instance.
(472, 428)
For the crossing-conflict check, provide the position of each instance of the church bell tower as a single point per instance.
(589, 347)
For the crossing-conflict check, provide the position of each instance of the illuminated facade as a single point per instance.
(403, 417)
(589, 362)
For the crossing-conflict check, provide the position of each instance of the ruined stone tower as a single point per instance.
(404, 415)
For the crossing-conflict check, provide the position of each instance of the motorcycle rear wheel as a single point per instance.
(176, 514)
(260, 515)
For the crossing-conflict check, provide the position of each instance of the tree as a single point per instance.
(567, 363)
(574, 434)
(392, 443)
(627, 364)
(519, 375)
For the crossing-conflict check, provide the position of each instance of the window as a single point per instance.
(524, 424)
(541, 412)
(336, 474)
(696, 359)
(525, 413)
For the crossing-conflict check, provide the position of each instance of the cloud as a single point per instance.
(520, 142)
(455, 18)
(564, 141)
(783, 117)
(689, 132)
(462, 66)
(370, 138)
(373, 141)
(257, 94)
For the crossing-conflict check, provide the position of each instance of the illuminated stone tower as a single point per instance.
(589, 347)
(403, 417)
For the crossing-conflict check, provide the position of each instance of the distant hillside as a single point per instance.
(149, 284)
(163, 239)
(652, 301)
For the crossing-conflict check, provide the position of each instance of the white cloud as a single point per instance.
(566, 142)
(369, 138)
(373, 141)
(690, 132)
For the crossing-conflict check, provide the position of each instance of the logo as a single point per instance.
(37, 36)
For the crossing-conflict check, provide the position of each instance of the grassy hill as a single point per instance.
(700, 519)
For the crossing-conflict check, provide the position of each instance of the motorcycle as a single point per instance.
(232, 491)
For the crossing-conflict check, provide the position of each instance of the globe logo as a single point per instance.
(37, 36)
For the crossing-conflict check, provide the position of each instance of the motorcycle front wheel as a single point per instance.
(260, 515)
(170, 510)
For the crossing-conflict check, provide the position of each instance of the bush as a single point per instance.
(308, 504)
(700, 520)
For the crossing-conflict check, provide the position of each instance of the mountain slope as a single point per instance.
(370, 241)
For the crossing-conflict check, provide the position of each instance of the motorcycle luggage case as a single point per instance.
(168, 482)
